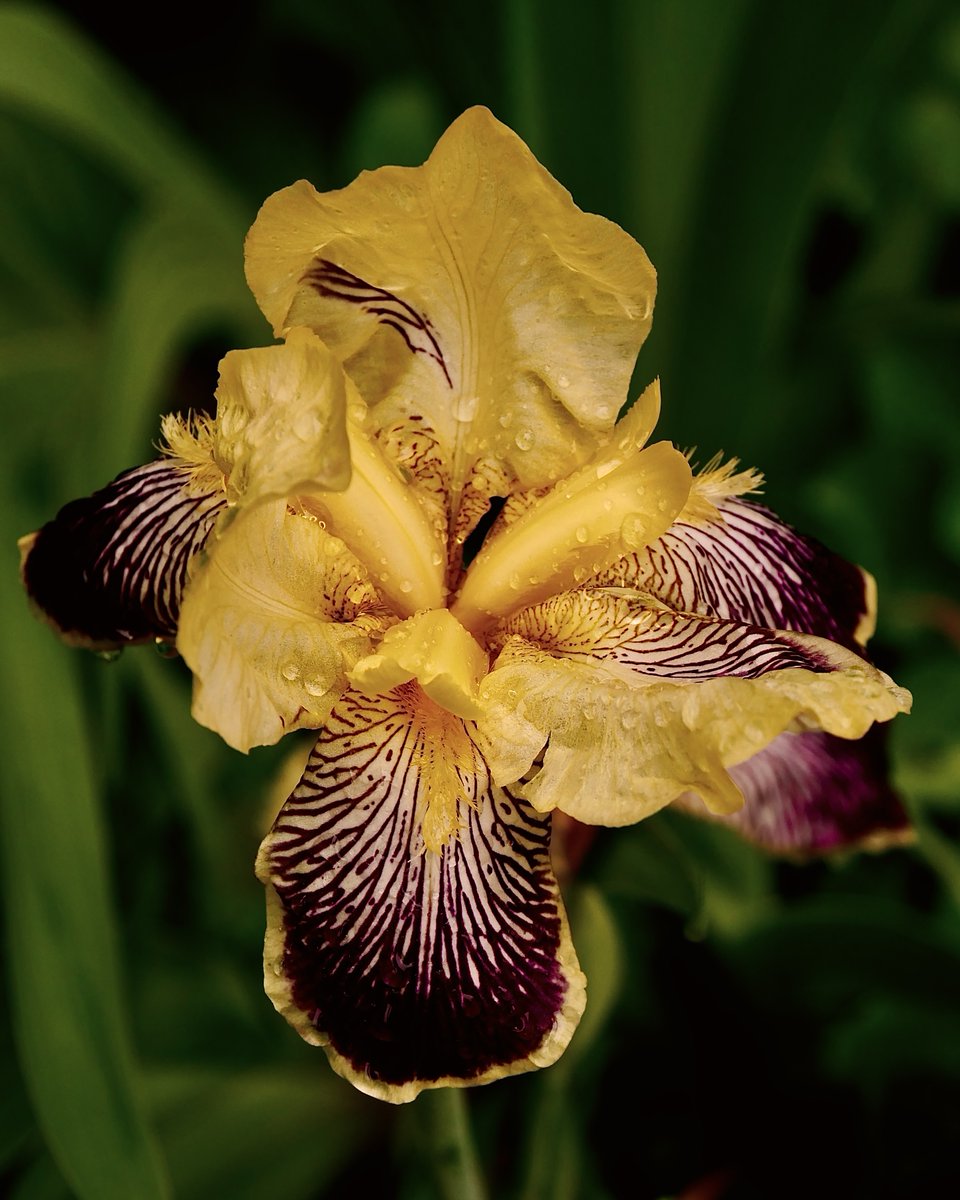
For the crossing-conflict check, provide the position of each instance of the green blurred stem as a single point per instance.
(448, 1143)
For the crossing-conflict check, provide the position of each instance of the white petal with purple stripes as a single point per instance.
(748, 565)
(415, 968)
(110, 569)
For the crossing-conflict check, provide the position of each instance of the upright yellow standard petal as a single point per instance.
(470, 293)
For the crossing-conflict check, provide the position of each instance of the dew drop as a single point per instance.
(603, 411)
(314, 687)
(290, 671)
(165, 649)
(506, 420)
(406, 586)
(662, 504)
(525, 439)
(582, 534)
(465, 407)
(436, 558)
(109, 655)
(515, 580)
(633, 531)
(563, 381)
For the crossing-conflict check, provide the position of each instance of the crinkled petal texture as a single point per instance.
(470, 295)
(637, 704)
(275, 614)
(109, 570)
(810, 793)
(282, 420)
(414, 968)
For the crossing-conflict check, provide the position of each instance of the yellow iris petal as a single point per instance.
(620, 746)
(281, 420)
(621, 500)
(269, 623)
(471, 294)
(435, 649)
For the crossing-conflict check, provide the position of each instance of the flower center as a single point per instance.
(435, 649)
(595, 516)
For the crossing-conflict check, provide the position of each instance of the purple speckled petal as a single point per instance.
(109, 570)
(812, 793)
(414, 968)
(750, 566)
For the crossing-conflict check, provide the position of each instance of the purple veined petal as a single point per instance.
(810, 793)
(750, 566)
(414, 968)
(637, 704)
(109, 570)
(601, 625)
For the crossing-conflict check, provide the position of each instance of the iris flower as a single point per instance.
(417, 526)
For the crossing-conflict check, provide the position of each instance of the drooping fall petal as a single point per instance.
(810, 793)
(109, 570)
(745, 564)
(415, 967)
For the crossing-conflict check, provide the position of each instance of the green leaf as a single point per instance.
(49, 70)
(176, 280)
(63, 973)
(266, 1131)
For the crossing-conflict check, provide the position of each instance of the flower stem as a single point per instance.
(448, 1143)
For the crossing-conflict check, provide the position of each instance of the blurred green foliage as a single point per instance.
(769, 1030)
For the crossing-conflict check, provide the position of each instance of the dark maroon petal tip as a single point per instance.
(110, 569)
(811, 793)
(414, 966)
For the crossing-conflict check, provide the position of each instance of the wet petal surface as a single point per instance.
(637, 705)
(415, 968)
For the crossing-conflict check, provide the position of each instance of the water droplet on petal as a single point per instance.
(662, 504)
(525, 439)
(436, 558)
(563, 381)
(314, 687)
(406, 586)
(603, 411)
(582, 534)
(633, 531)
(290, 671)
(465, 407)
